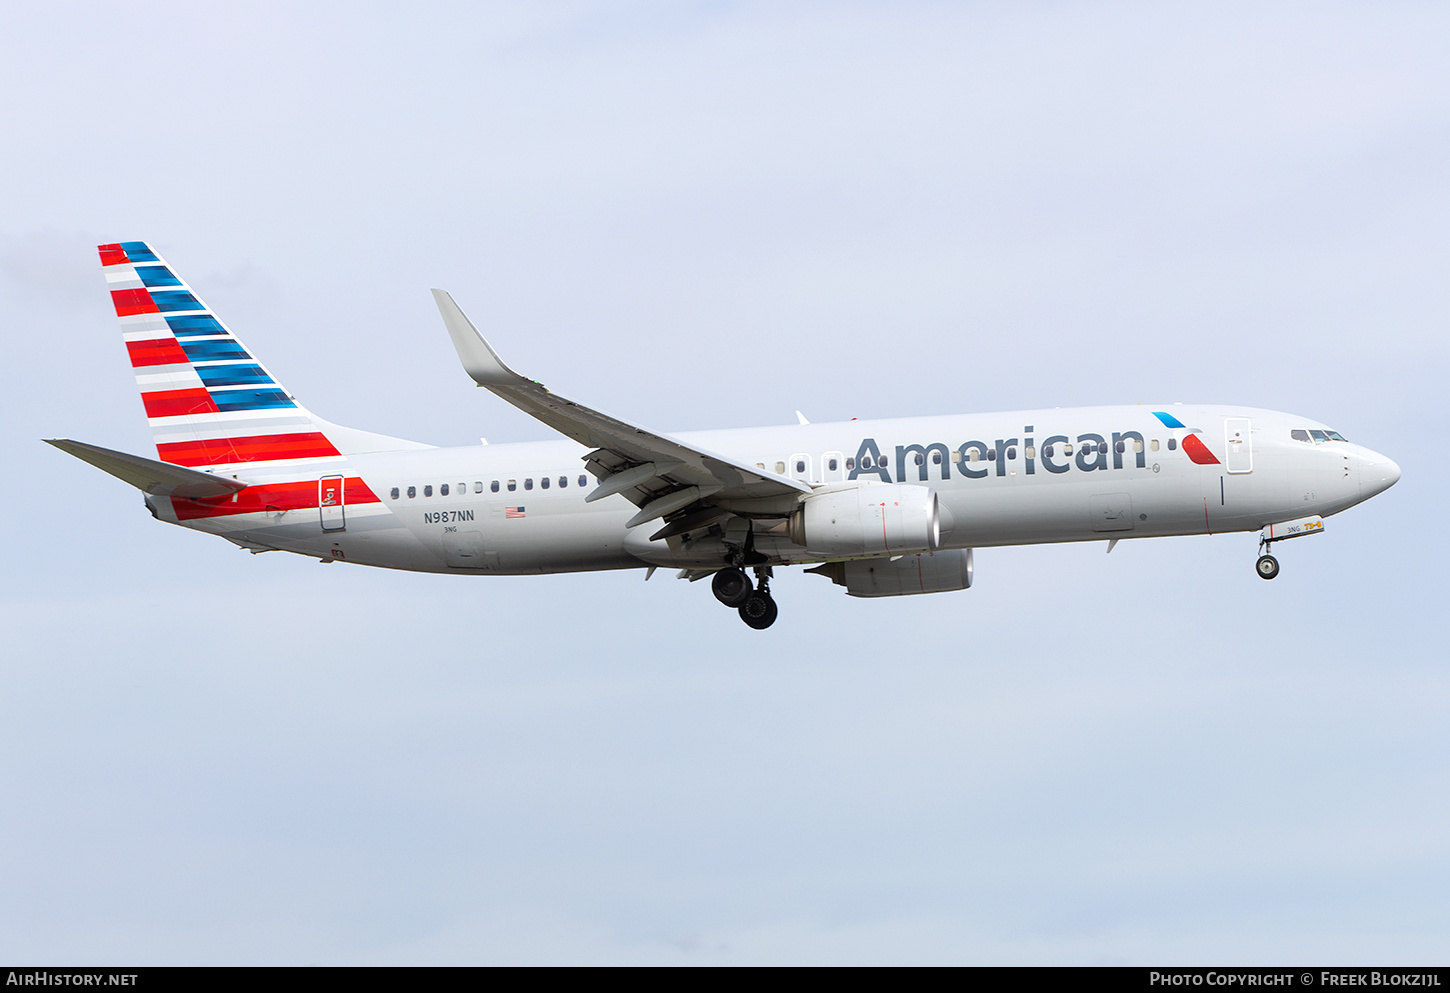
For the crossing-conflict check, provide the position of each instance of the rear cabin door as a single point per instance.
(1238, 443)
(330, 492)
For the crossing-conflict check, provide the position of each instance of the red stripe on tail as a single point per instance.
(174, 403)
(156, 351)
(262, 448)
(130, 302)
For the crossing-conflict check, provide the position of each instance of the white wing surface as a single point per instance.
(657, 473)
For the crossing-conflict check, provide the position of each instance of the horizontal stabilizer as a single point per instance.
(156, 478)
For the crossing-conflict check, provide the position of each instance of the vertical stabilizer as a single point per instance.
(209, 401)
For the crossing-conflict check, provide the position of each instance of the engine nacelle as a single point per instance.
(929, 572)
(890, 519)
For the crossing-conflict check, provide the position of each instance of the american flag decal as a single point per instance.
(513, 513)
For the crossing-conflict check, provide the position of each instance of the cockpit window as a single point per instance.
(1336, 436)
(1299, 434)
(1320, 437)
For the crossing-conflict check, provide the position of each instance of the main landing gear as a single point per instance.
(733, 588)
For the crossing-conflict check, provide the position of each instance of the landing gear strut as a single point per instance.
(1267, 567)
(759, 609)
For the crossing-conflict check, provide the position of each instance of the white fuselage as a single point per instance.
(520, 508)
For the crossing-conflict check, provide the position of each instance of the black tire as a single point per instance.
(731, 587)
(1267, 567)
(759, 611)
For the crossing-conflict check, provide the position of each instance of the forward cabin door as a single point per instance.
(1239, 444)
(330, 503)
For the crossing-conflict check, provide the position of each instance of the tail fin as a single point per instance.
(209, 401)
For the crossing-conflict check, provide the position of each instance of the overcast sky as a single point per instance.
(700, 215)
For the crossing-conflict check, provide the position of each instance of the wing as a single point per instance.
(662, 476)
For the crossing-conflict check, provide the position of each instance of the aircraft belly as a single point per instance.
(376, 539)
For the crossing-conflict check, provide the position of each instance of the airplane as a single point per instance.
(880, 507)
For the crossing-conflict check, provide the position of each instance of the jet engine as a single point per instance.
(888, 519)
(929, 572)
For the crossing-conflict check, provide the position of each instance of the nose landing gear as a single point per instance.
(1267, 566)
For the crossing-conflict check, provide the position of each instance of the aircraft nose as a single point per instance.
(1377, 474)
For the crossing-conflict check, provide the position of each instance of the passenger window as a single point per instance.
(800, 465)
(851, 463)
(1172, 444)
(1120, 447)
(780, 468)
(920, 458)
(395, 493)
(513, 485)
(831, 464)
(412, 492)
(443, 490)
(1012, 453)
(1030, 452)
(1103, 448)
(1087, 446)
(973, 455)
(991, 455)
(427, 491)
(462, 489)
(583, 480)
(563, 481)
(935, 458)
(478, 486)
(1137, 444)
(1299, 434)
(1047, 451)
(865, 462)
(760, 465)
(544, 483)
(1153, 444)
(529, 483)
(493, 486)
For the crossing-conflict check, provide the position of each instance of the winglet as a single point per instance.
(479, 360)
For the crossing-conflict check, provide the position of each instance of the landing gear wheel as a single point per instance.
(1267, 567)
(731, 587)
(759, 610)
